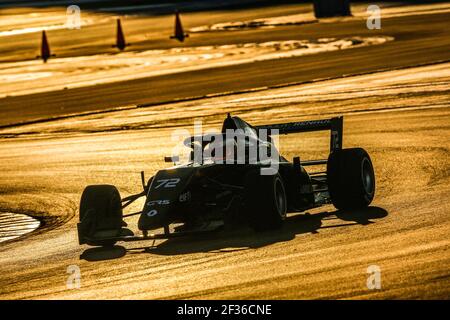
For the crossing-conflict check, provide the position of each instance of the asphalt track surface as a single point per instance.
(418, 39)
(401, 117)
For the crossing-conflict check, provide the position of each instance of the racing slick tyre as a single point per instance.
(100, 215)
(351, 179)
(265, 201)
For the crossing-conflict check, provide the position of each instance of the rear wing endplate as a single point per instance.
(335, 125)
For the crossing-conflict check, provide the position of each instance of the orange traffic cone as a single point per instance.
(179, 32)
(45, 48)
(120, 38)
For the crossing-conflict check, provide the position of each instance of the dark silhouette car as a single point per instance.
(233, 177)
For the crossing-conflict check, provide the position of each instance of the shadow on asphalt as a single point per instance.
(103, 253)
(243, 238)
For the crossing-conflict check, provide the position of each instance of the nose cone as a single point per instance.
(162, 205)
(154, 218)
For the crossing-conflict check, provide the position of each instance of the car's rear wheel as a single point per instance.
(351, 178)
(100, 215)
(265, 200)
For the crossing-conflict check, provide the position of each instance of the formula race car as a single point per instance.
(233, 177)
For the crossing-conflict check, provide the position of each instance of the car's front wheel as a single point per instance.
(100, 215)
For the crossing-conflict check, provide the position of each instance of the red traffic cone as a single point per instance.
(45, 48)
(179, 32)
(120, 38)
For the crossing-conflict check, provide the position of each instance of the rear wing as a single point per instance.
(335, 125)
